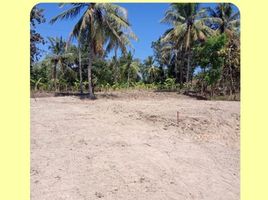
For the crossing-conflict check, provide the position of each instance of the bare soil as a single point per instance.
(130, 146)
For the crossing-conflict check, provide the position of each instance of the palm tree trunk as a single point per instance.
(55, 75)
(128, 75)
(231, 75)
(180, 71)
(177, 67)
(116, 66)
(188, 52)
(231, 90)
(202, 83)
(188, 68)
(90, 86)
(80, 69)
(181, 75)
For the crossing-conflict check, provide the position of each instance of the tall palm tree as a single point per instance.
(98, 22)
(188, 25)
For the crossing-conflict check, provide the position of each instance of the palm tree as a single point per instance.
(224, 19)
(121, 44)
(150, 69)
(131, 67)
(188, 25)
(98, 22)
(58, 56)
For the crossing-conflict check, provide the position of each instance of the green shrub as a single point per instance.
(169, 84)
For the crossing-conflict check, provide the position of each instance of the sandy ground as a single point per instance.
(129, 146)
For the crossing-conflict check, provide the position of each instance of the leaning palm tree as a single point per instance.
(188, 25)
(98, 23)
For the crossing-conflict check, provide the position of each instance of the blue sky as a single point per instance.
(144, 18)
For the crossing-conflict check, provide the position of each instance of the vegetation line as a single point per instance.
(198, 55)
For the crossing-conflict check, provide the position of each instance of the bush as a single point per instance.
(169, 84)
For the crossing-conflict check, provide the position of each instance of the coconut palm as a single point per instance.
(57, 56)
(120, 44)
(224, 19)
(98, 23)
(188, 25)
(131, 67)
(151, 70)
(172, 54)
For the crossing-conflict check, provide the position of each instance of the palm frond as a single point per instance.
(235, 16)
(69, 14)
(171, 16)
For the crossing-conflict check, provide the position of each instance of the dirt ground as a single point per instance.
(129, 146)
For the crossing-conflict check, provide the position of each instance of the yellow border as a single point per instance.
(14, 88)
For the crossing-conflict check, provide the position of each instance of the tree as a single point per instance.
(210, 57)
(225, 20)
(57, 56)
(121, 44)
(41, 75)
(188, 25)
(151, 71)
(130, 67)
(75, 61)
(103, 73)
(36, 17)
(100, 23)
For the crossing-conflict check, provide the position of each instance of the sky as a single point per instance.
(144, 19)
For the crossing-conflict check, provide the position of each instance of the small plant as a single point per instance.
(170, 84)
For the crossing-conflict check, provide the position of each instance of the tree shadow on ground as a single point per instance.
(194, 95)
(191, 94)
(86, 96)
(166, 90)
